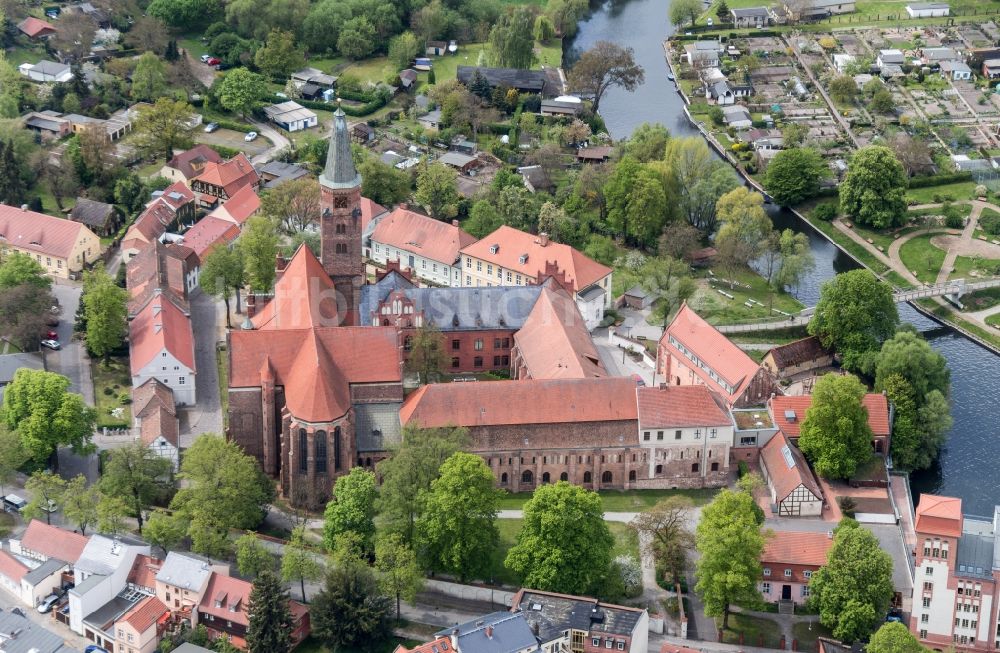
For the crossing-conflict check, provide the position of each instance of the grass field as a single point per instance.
(752, 630)
(868, 13)
(621, 501)
(114, 376)
(958, 191)
(806, 635)
(922, 258)
(981, 299)
(964, 265)
(857, 251)
(719, 309)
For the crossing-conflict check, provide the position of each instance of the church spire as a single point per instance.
(339, 172)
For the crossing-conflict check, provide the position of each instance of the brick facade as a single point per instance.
(340, 235)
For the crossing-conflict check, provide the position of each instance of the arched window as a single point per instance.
(564, 476)
(303, 451)
(336, 448)
(527, 476)
(659, 469)
(503, 479)
(694, 468)
(545, 478)
(368, 462)
(715, 467)
(319, 442)
(631, 475)
(361, 463)
(587, 478)
(606, 477)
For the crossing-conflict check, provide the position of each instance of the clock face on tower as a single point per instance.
(341, 202)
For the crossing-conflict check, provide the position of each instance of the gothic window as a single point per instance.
(336, 448)
(408, 343)
(503, 479)
(546, 478)
(564, 476)
(587, 478)
(303, 451)
(527, 476)
(340, 229)
(320, 445)
(606, 477)
(631, 475)
(341, 248)
(341, 202)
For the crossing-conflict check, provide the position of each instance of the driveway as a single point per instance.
(616, 361)
(72, 360)
(233, 140)
(278, 142)
(206, 415)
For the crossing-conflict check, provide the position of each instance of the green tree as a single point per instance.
(351, 611)
(137, 475)
(149, 79)
(17, 269)
(357, 38)
(511, 43)
(894, 637)
(457, 532)
(383, 183)
(112, 513)
(694, 180)
(222, 274)
(352, 508)
(185, 13)
(648, 142)
(105, 307)
(544, 30)
(12, 188)
(400, 575)
(637, 205)
(796, 259)
(793, 175)
(321, 27)
(279, 57)
(743, 218)
(294, 206)
(79, 503)
(835, 435)
(684, 10)
(843, 89)
(46, 491)
(37, 405)
(908, 452)
(426, 356)
(874, 190)
(667, 535)
(722, 11)
(240, 89)
(251, 557)
(855, 315)
(130, 193)
(270, 623)
(299, 563)
(483, 219)
(407, 475)
(882, 101)
(564, 545)
(437, 191)
(907, 353)
(163, 127)
(669, 281)
(12, 456)
(729, 541)
(853, 589)
(258, 246)
(604, 66)
(402, 50)
(165, 530)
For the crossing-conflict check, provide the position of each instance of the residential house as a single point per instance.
(805, 355)
(275, 173)
(935, 56)
(597, 154)
(224, 606)
(463, 163)
(788, 413)
(47, 124)
(156, 420)
(818, 9)
(291, 116)
(208, 233)
(928, 9)
(140, 629)
(30, 583)
(436, 48)
(523, 81)
(100, 593)
(510, 257)
(703, 54)
(182, 580)
(566, 105)
(841, 61)
(12, 571)
(161, 346)
(158, 270)
(172, 206)
(27, 636)
(42, 542)
(62, 247)
(239, 208)
(221, 180)
(46, 71)
(688, 432)
(554, 341)
(36, 29)
(721, 93)
(890, 56)
(692, 352)
(991, 68)
(956, 70)
(429, 248)
(747, 17)
(101, 218)
(793, 489)
(737, 117)
(788, 563)
(190, 163)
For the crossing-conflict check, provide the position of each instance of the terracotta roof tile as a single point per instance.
(790, 548)
(144, 570)
(53, 542)
(177, 195)
(776, 455)
(581, 271)
(439, 645)
(38, 232)
(11, 567)
(798, 352)
(152, 222)
(303, 296)
(209, 233)
(230, 175)
(145, 614)
(191, 162)
(554, 342)
(681, 405)
(238, 208)
(157, 327)
(33, 27)
(548, 401)
(876, 405)
(156, 269)
(433, 239)
(937, 515)
(232, 593)
(153, 404)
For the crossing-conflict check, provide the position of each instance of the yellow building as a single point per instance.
(62, 247)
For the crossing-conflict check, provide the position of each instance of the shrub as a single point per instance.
(742, 469)
(990, 222)
(847, 505)
(108, 391)
(826, 211)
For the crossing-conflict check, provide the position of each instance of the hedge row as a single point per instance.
(940, 180)
(374, 105)
(232, 124)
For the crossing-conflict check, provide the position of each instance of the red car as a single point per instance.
(52, 335)
(213, 61)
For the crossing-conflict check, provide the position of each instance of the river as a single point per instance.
(966, 465)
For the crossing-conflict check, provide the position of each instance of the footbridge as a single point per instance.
(950, 290)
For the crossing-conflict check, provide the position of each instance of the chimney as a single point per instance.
(534, 628)
(24, 207)
(663, 386)
(543, 239)
(280, 262)
(454, 639)
(489, 632)
(404, 206)
(454, 223)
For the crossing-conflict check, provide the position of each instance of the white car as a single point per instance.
(48, 602)
(205, 58)
(250, 136)
(51, 344)
(211, 127)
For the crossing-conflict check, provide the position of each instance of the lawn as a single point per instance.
(855, 249)
(961, 190)
(719, 309)
(313, 645)
(806, 635)
(112, 383)
(621, 500)
(964, 265)
(981, 299)
(193, 44)
(922, 258)
(963, 209)
(756, 631)
(994, 320)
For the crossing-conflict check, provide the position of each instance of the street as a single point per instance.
(70, 361)
(207, 321)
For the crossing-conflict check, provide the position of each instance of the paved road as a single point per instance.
(71, 360)
(278, 142)
(206, 415)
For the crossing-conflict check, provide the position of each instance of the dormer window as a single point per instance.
(523, 259)
(494, 249)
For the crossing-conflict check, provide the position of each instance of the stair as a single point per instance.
(786, 607)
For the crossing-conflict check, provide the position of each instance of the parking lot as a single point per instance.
(233, 140)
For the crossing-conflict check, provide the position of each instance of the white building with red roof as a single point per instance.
(788, 562)
(793, 489)
(788, 413)
(429, 248)
(240, 207)
(693, 352)
(220, 181)
(62, 247)
(139, 629)
(42, 542)
(162, 347)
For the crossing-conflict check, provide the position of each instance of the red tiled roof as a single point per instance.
(547, 401)
(38, 232)
(177, 195)
(230, 175)
(876, 405)
(711, 347)
(789, 548)
(369, 210)
(433, 239)
(938, 515)
(303, 296)
(232, 593)
(239, 207)
(144, 614)
(581, 271)
(157, 327)
(53, 542)
(785, 478)
(153, 403)
(674, 648)
(156, 268)
(439, 645)
(798, 352)
(11, 567)
(144, 570)
(191, 162)
(681, 405)
(35, 27)
(152, 222)
(554, 342)
(208, 233)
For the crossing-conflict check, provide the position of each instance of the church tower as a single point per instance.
(340, 221)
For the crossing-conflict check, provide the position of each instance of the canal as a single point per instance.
(973, 445)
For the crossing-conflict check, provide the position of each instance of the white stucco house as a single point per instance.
(429, 248)
(162, 348)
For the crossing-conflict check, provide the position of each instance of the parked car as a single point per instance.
(94, 648)
(205, 58)
(13, 503)
(213, 61)
(250, 136)
(47, 603)
(211, 127)
(51, 335)
(51, 344)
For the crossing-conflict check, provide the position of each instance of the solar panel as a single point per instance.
(787, 453)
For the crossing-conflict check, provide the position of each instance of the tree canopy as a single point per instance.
(138, 476)
(352, 509)
(270, 621)
(894, 637)
(793, 175)
(351, 610)
(39, 407)
(603, 66)
(874, 190)
(835, 435)
(511, 41)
